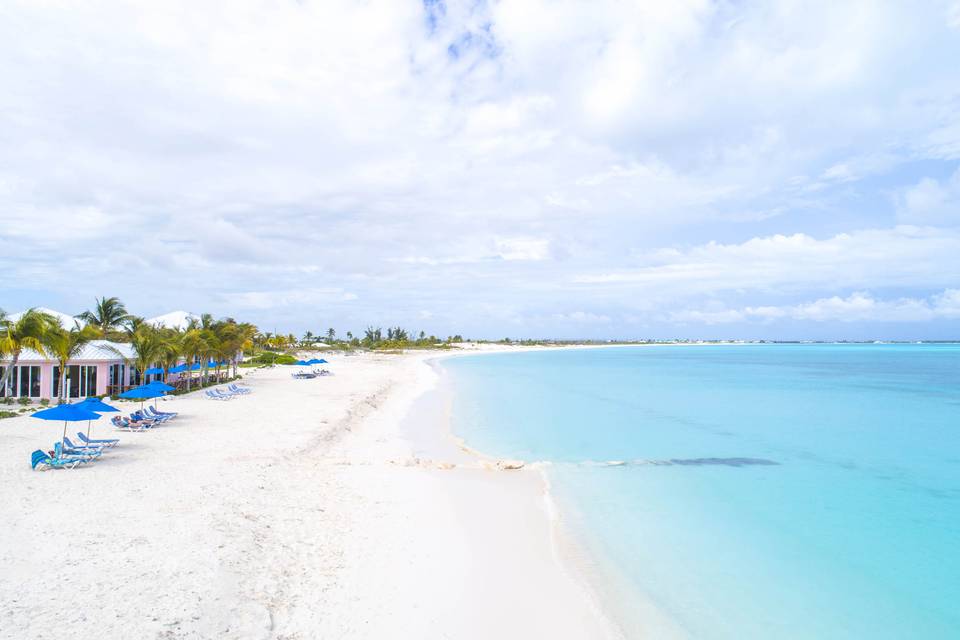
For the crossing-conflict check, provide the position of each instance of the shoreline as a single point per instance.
(491, 527)
(630, 612)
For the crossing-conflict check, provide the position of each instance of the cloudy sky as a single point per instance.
(525, 167)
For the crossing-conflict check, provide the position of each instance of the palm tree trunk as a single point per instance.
(8, 372)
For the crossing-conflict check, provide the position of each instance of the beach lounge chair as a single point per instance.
(215, 396)
(233, 388)
(225, 394)
(83, 448)
(122, 424)
(149, 410)
(41, 460)
(141, 416)
(150, 414)
(63, 453)
(105, 442)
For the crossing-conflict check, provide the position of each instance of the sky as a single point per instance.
(523, 168)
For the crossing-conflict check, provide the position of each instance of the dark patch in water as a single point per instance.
(724, 462)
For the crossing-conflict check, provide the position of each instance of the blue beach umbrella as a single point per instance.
(141, 393)
(314, 361)
(95, 404)
(302, 363)
(67, 413)
(195, 367)
(159, 386)
(153, 371)
(180, 368)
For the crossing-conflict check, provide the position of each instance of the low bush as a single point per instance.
(24, 401)
(8, 414)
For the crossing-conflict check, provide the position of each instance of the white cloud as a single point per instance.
(582, 317)
(857, 307)
(932, 201)
(903, 256)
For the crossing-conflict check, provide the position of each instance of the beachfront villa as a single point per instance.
(96, 371)
(100, 369)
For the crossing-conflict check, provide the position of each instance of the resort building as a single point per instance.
(100, 369)
(96, 371)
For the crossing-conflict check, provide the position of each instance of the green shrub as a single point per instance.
(45, 402)
(24, 401)
(8, 414)
(8, 401)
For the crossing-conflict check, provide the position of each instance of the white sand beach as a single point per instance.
(298, 511)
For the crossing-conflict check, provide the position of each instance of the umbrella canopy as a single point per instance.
(67, 413)
(154, 371)
(141, 393)
(96, 404)
(180, 368)
(302, 363)
(195, 367)
(156, 385)
(320, 361)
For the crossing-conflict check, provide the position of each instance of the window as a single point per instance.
(10, 389)
(81, 381)
(29, 382)
(116, 374)
(24, 382)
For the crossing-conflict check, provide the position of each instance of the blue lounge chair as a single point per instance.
(122, 424)
(216, 396)
(233, 388)
(106, 442)
(140, 416)
(62, 453)
(83, 448)
(42, 460)
(150, 411)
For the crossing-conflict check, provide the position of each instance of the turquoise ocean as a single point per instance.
(772, 491)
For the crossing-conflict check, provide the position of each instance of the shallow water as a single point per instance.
(769, 491)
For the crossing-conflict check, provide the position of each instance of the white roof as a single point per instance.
(173, 320)
(65, 319)
(96, 350)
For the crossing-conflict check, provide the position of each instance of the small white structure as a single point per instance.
(173, 320)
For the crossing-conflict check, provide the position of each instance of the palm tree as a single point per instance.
(211, 350)
(27, 332)
(192, 346)
(331, 334)
(235, 338)
(132, 324)
(172, 349)
(64, 345)
(107, 314)
(147, 345)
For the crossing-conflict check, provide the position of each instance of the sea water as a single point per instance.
(770, 491)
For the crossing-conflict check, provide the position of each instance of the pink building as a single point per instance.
(97, 371)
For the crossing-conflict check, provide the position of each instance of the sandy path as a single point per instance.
(279, 515)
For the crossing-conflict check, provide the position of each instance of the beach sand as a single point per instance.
(303, 510)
